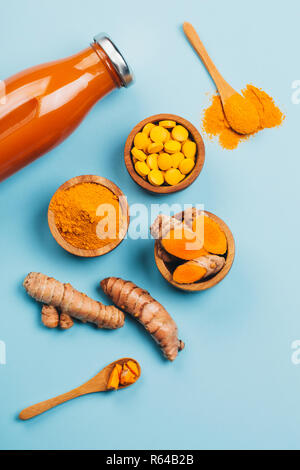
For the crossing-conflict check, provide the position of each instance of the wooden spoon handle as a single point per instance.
(46, 405)
(223, 87)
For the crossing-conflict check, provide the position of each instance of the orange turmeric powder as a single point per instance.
(79, 212)
(241, 114)
(215, 123)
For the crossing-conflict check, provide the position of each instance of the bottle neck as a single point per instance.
(106, 61)
(97, 77)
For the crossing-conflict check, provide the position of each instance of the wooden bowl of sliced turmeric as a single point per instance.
(88, 216)
(209, 258)
(164, 153)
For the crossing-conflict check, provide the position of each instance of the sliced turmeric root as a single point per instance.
(215, 240)
(127, 377)
(119, 369)
(198, 269)
(123, 375)
(188, 273)
(132, 366)
(183, 243)
(114, 378)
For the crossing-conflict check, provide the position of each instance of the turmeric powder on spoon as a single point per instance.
(241, 114)
(220, 123)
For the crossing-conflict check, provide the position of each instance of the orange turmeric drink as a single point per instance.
(41, 106)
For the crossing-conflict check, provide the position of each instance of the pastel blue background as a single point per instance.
(234, 386)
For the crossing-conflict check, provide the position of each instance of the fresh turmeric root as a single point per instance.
(198, 269)
(162, 226)
(65, 321)
(52, 319)
(76, 304)
(50, 316)
(123, 375)
(150, 313)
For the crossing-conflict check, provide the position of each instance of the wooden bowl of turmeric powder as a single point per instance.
(164, 153)
(88, 216)
(176, 268)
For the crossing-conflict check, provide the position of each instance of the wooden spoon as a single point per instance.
(225, 90)
(96, 384)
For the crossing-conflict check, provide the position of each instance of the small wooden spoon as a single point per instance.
(225, 90)
(96, 384)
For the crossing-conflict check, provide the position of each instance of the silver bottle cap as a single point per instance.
(116, 58)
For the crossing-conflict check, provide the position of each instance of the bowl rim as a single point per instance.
(200, 158)
(124, 220)
(200, 286)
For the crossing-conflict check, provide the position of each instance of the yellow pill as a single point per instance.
(152, 161)
(149, 142)
(180, 133)
(147, 128)
(164, 161)
(169, 135)
(156, 177)
(176, 159)
(173, 176)
(186, 165)
(167, 124)
(138, 154)
(141, 141)
(141, 168)
(189, 149)
(159, 134)
(155, 147)
(172, 146)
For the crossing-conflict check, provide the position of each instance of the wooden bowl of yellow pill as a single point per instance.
(164, 153)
